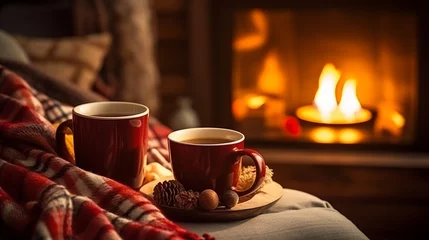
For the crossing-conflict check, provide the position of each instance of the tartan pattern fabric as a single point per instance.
(42, 196)
(54, 110)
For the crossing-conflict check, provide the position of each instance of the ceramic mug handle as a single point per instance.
(259, 163)
(60, 137)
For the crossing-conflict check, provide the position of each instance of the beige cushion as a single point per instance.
(72, 59)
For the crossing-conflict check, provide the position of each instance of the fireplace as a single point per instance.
(331, 75)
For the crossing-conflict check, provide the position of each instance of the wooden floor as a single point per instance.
(384, 202)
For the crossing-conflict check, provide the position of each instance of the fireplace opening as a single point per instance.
(331, 76)
(336, 75)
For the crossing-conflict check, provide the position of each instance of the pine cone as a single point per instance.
(186, 200)
(164, 192)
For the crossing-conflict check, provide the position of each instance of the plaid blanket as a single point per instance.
(42, 196)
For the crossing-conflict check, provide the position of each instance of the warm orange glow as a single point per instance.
(271, 78)
(349, 136)
(255, 102)
(239, 109)
(349, 104)
(325, 100)
(398, 119)
(326, 109)
(389, 120)
(241, 106)
(331, 135)
(256, 39)
(323, 135)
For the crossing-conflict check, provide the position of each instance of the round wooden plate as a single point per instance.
(259, 203)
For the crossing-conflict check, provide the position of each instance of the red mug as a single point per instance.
(210, 158)
(110, 139)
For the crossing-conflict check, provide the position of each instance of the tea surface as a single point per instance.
(110, 115)
(207, 140)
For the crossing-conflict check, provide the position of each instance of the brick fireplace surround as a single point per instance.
(384, 194)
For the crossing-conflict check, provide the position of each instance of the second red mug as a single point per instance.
(210, 158)
(110, 139)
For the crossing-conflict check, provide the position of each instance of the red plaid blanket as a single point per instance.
(43, 196)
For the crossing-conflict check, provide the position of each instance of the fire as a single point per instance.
(241, 106)
(270, 80)
(256, 39)
(255, 102)
(325, 100)
(349, 104)
(326, 109)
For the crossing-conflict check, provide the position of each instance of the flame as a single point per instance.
(325, 108)
(325, 100)
(271, 79)
(241, 106)
(398, 119)
(257, 39)
(239, 109)
(255, 102)
(349, 104)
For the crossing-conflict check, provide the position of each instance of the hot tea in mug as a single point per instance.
(210, 158)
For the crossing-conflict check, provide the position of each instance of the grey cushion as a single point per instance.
(11, 50)
(297, 215)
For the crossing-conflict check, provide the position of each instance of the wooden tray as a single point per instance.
(259, 203)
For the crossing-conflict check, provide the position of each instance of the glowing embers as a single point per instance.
(333, 135)
(325, 108)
